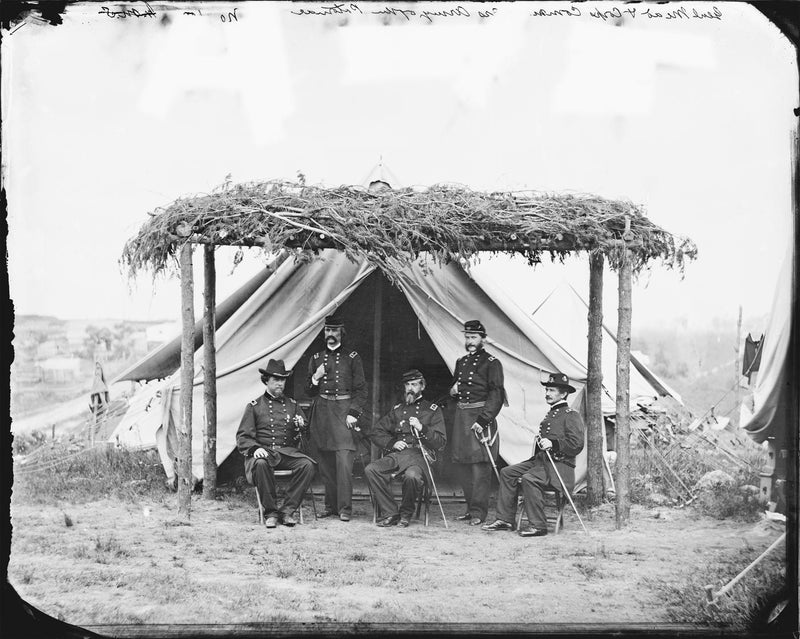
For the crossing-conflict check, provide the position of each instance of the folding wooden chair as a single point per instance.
(554, 499)
(424, 498)
(286, 474)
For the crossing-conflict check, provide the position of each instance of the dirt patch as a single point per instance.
(122, 563)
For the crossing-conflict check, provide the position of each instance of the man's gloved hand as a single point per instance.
(477, 428)
(260, 453)
(415, 424)
(318, 374)
(400, 445)
(545, 444)
(351, 421)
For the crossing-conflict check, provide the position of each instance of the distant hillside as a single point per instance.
(699, 364)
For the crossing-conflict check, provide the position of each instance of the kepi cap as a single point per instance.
(474, 326)
(411, 375)
(334, 321)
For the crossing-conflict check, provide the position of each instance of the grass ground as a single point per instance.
(100, 552)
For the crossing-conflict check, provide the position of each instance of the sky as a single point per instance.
(107, 117)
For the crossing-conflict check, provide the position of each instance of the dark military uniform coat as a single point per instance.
(480, 397)
(564, 427)
(269, 423)
(394, 427)
(341, 392)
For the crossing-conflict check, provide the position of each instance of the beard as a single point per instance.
(332, 342)
(411, 397)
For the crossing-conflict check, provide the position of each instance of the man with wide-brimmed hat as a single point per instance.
(337, 384)
(267, 438)
(413, 423)
(562, 433)
(478, 387)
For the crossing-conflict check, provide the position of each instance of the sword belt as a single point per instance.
(464, 405)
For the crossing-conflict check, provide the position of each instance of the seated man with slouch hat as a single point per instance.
(267, 438)
(403, 432)
(561, 433)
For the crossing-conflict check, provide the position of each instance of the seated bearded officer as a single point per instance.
(267, 437)
(561, 434)
(401, 431)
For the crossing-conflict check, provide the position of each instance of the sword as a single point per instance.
(563, 485)
(430, 474)
(485, 442)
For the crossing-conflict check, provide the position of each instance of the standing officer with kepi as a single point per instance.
(401, 431)
(266, 438)
(336, 381)
(478, 385)
(561, 433)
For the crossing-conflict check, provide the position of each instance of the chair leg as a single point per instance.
(560, 505)
(313, 501)
(520, 511)
(260, 508)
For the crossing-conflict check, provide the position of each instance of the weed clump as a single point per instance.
(59, 475)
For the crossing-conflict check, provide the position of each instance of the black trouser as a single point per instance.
(336, 468)
(264, 479)
(476, 482)
(379, 477)
(534, 476)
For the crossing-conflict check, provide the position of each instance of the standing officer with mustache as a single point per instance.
(337, 384)
(478, 386)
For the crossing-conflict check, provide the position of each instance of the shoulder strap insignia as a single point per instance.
(491, 358)
(254, 402)
(353, 355)
(397, 406)
(434, 407)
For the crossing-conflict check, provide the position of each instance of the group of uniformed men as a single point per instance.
(272, 426)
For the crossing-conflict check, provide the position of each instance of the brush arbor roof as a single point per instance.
(393, 227)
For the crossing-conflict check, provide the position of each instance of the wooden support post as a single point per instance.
(594, 384)
(210, 375)
(185, 483)
(737, 372)
(377, 333)
(622, 467)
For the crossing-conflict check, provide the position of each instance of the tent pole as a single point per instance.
(210, 375)
(594, 383)
(623, 446)
(377, 330)
(187, 376)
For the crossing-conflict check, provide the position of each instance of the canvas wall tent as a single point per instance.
(416, 324)
(773, 393)
(144, 416)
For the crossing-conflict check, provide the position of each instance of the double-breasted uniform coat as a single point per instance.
(392, 428)
(271, 423)
(564, 427)
(342, 391)
(480, 397)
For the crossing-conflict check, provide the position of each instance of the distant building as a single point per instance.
(50, 348)
(60, 370)
(76, 338)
